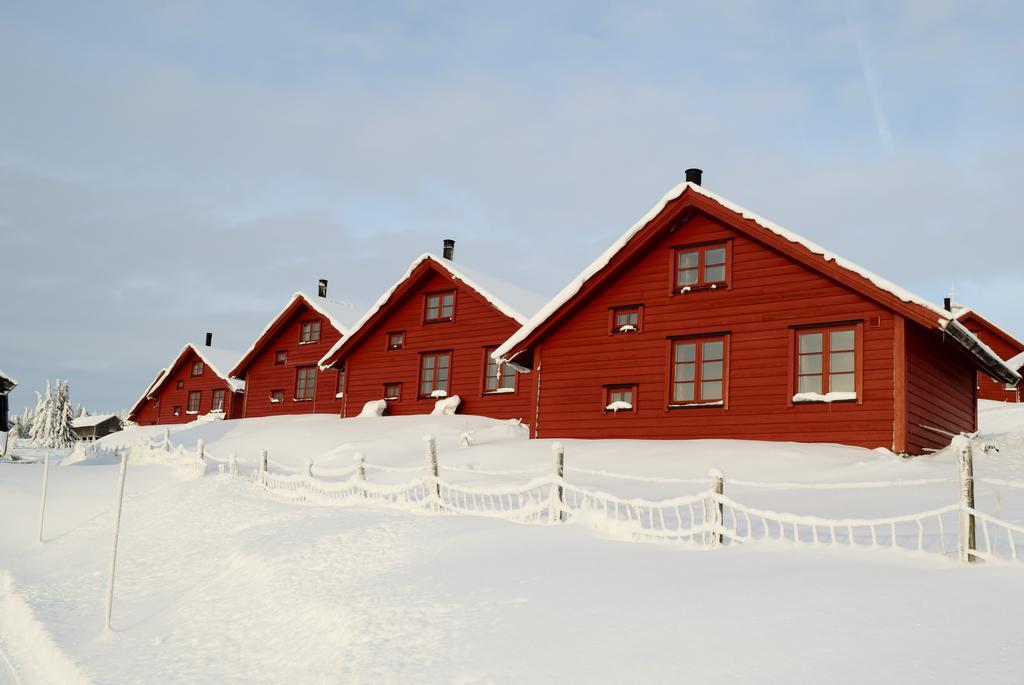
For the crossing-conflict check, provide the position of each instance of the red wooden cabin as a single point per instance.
(280, 368)
(707, 321)
(196, 383)
(1003, 344)
(430, 336)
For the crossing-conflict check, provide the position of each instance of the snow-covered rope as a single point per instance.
(394, 469)
(1001, 539)
(485, 472)
(643, 479)
(862, 485)
(1001, 482)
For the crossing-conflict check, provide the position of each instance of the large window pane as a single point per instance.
(810, 342)
(714, 274)
(684, 372)
(686, 352)
(842, 340)
(711, 391)
(683, 392)
(714, 256)
(809, 384)
(713, 349)
(841, 382)
(712, 371)
(810, 363)
(841, 362)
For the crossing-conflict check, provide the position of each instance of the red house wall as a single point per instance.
(940, 389)
(988, 387)
(169, 396)
(767, 295)
(262, 375)
(476, 326)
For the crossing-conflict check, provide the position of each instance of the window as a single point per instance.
(826, 361)
(193, 401)
(341, 383)
(392, 391)
(309, 332)
(498, 378)
(280, 357)
(625, 320)
(276, 396)
(701, 267)
(305, 382)
(434, 370)
(197, 369)
(396, 340)
(180, 385)
(439, 307)
(698, 372)
(218, 400)
(620, 398)
(177, 411)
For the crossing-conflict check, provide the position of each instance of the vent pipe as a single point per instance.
(209, 339)
(948, 304)
(449, 249)
(322, 288)
(693, 176)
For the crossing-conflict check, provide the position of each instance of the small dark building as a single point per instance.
(6, 385)
(89, 428)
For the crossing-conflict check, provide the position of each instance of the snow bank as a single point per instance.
(447, 406)
(374, 408)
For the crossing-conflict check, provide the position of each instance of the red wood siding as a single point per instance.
(262, 375)
(988, 387)
(767, 295)
(940, 389)
(169, 396)
(476, 325)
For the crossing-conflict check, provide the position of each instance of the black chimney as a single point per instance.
(693, 176)
(449, 249)
(209, 339)
(948, 304)
(322, 289)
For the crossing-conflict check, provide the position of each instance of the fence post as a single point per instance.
(117, 529)
(309, 468)
(167, 439)
(262, 475)
(360, 466)
(716, 513)
(965, 460)
(430, 443)
(200, 450)
(233, 465)
(42, 501)
(558, 451)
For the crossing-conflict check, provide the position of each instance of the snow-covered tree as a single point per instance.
(80, 410)
(51, 424)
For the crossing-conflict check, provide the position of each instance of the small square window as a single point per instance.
(180, 385)
(439, 307)
(392, 391)
(197, 369)
(620, 398)
(625, 320)
(309, 332)
(702, 266)
(280, 357)
(396, 340)
(276, 396)
(177, 411)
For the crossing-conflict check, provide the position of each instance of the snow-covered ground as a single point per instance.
(217, 582)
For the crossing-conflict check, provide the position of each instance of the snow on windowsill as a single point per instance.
(627, 328)
(716, 403)
(296, 399)
(274, 400)
(615, 407)
(500, 391)
(191, 412)
(439, 393)
(339, 395)
(827, 398)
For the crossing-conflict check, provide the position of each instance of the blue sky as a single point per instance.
(172, 168)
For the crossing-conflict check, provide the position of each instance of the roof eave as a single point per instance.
(990, 363)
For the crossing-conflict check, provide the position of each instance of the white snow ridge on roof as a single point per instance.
(341, 314)
(90, 421)
(220, 362)
(591, 270)
(511, 300)
(1016, 363)
(5, 377)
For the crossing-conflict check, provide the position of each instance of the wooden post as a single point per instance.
(233, 465)
(167, 439)
(968, 542)
(430, 443)
(42, 501)
(558, 451)
(360, 466)
(118, 505)
(309, 468)
(717, 513)
(200, 450)
(262, 474)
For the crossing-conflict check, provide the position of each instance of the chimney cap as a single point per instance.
(693, 175)
(321, 288)
(209, 339)
(449, 249)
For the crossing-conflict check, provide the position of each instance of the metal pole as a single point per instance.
(42, 501)
(117, 529)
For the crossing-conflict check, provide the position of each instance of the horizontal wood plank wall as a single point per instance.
(170, 396)
(263, 376)
(988, 387)
(476, 325)
(940, 389)
(767, 295)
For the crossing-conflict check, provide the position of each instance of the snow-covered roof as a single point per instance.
(6, 382)
(341, 314)
(961, 313)
(149, 389)
(218, 360)
(90, 421)
(513, 301)
(574, 286)
(1016, 363)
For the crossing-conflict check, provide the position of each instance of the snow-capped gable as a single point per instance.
(340, 314)
(511, 300)
(146, 395)
(220, 361)
(569, 291)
